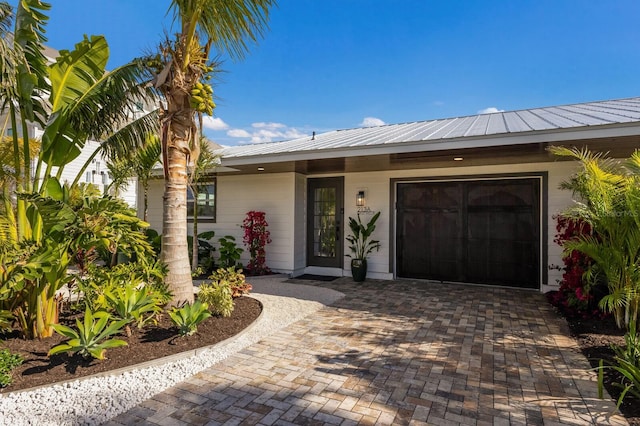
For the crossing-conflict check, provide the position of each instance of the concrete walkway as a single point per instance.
(399, 352)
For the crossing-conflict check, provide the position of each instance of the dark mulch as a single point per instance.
(152, 342)
(595, 337)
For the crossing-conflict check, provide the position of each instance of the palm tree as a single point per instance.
(609, 201)
(223, 25)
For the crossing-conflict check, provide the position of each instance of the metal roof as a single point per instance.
(510, 123)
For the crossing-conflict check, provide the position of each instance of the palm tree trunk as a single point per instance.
(175, 252)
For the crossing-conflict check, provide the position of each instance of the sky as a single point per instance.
(337, 64)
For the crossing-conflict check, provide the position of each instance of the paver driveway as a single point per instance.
(399, 352)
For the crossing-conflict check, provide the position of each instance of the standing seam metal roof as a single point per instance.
(574, 116)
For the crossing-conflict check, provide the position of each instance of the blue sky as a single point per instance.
(334, 64)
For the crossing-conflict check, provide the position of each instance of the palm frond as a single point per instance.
(134, 135)
(633, 164)
(29, 40)
(113, 100)
(228, 24)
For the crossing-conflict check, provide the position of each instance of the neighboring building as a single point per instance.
(469, 199)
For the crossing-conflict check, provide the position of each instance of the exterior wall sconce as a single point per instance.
(361, 202)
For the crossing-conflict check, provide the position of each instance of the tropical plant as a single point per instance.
(133, 304)
(225, 26)
(189, 316)
(97, 283)
(627, 364)
(8, 362)
(68, 234)
(609, 193)
(361, 244)
(205, 250)
(155, 239)
(90, 338)
(229, 252)
(256, 237)
(218, 296)
(576, 296)
(6, 320)
(235, 278)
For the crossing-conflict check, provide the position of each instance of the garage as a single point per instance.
(482, 231)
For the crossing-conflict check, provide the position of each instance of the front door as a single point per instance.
(324, 222)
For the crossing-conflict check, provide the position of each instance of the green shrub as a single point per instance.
(133, 304)
(89, 339)
(189, 316)
(8, 362)
(219, 296)
(627, 363)
(100, 281)
(6, 319)
(235, 278)
(229, 252)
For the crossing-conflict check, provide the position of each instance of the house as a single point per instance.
(467, 199)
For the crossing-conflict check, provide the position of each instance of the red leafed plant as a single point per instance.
(256, 237)
(575, 296)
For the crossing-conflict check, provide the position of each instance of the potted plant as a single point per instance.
(361, 245)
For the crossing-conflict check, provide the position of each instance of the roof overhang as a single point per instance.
(618, 139)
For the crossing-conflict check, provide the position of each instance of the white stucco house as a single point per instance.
(467, 199)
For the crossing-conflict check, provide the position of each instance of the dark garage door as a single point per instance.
(484, 232)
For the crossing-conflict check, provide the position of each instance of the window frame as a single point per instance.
(204, 183)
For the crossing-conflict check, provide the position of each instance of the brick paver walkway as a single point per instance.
(399, 353)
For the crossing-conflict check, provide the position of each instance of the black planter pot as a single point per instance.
(359, 269)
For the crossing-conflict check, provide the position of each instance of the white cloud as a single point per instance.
(212, 123)
(238, 133)
(490, 110)
(266, 132)
(263, 125)
(438, 103)
(372, 121)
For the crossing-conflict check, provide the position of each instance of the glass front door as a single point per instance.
(324, 222)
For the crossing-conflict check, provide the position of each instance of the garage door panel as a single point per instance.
(431, 240)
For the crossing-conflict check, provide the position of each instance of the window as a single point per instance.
(206, 200)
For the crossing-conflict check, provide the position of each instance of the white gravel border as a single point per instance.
(97, 399)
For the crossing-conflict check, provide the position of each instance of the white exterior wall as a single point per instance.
(237, 195)
(270, 193)
(154, 215)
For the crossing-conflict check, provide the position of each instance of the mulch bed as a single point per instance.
(595, 337)
(152, 342)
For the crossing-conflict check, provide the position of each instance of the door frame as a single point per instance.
(325, 182)
(543, 176)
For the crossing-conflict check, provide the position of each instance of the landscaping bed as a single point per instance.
(152, 342)
(595, 337)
